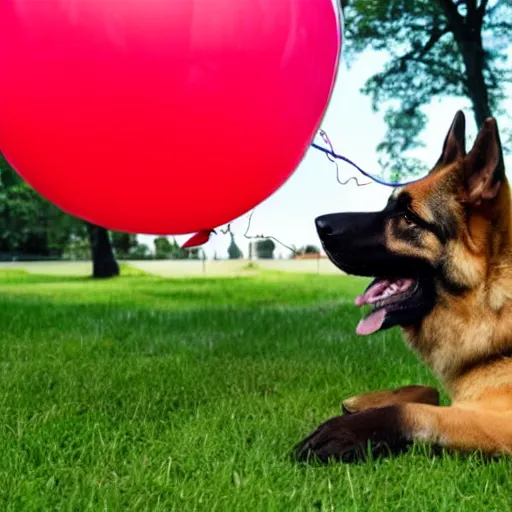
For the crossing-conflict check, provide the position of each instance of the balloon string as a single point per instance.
(333, 156)
(329, 154)
(252, 237)
(227, 230)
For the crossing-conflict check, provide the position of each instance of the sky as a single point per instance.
(354, 130)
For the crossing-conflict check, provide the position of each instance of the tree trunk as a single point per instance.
(474, 61)
(104, 263)
(468, 37)
(467, 32)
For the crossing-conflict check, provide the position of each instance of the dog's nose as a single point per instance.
(339, 225)
(323, 226)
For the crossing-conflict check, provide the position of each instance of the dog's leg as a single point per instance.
(389, 429)
(405, 394)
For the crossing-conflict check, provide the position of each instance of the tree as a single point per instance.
(104, 263)
(438, 48)
(195, 253)
(140, 252)
(123, 243)
(163, 248)
(177, 252)
(308, 249)
(166, 250)
(234, 251)
(77, 248)
(265, 248)
(31, 225)
(23, 220)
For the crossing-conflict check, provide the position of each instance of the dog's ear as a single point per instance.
(455, 142)
(484, 169)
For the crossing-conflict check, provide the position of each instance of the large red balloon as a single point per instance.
(162, 116)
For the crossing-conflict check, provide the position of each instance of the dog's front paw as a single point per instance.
(335, 439)
(348, 438)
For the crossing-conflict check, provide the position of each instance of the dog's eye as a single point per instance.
(408, 219)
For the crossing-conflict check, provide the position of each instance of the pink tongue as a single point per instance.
(371, 323)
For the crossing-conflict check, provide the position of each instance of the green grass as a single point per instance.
(142, 393)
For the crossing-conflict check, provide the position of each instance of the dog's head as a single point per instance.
(435, 238)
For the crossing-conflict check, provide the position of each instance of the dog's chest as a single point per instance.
(448, 343)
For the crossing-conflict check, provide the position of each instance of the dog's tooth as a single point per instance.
(404, 286)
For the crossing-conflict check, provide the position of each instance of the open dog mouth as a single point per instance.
(385, 295)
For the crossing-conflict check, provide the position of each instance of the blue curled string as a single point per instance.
(333, 156)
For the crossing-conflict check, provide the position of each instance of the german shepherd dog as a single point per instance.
(441, 256)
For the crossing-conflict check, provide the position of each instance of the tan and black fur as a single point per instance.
(452, 231)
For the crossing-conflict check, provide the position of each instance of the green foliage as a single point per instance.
(393, 150)
(123, 243)
(234, 251)
(437, 48)
(140, 252)
(29, 224)
(77, 249)
(127, 247)
(8, 177)
(264, 248)
(308, 249)
(166, 250)
(194, 253)
(163, 248)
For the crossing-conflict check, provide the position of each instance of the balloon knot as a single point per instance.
(200, 238)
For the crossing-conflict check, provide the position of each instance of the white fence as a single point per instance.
(183, 268)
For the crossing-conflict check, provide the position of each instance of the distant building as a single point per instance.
(309, 256)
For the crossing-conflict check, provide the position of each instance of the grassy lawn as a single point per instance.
(144, 393)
